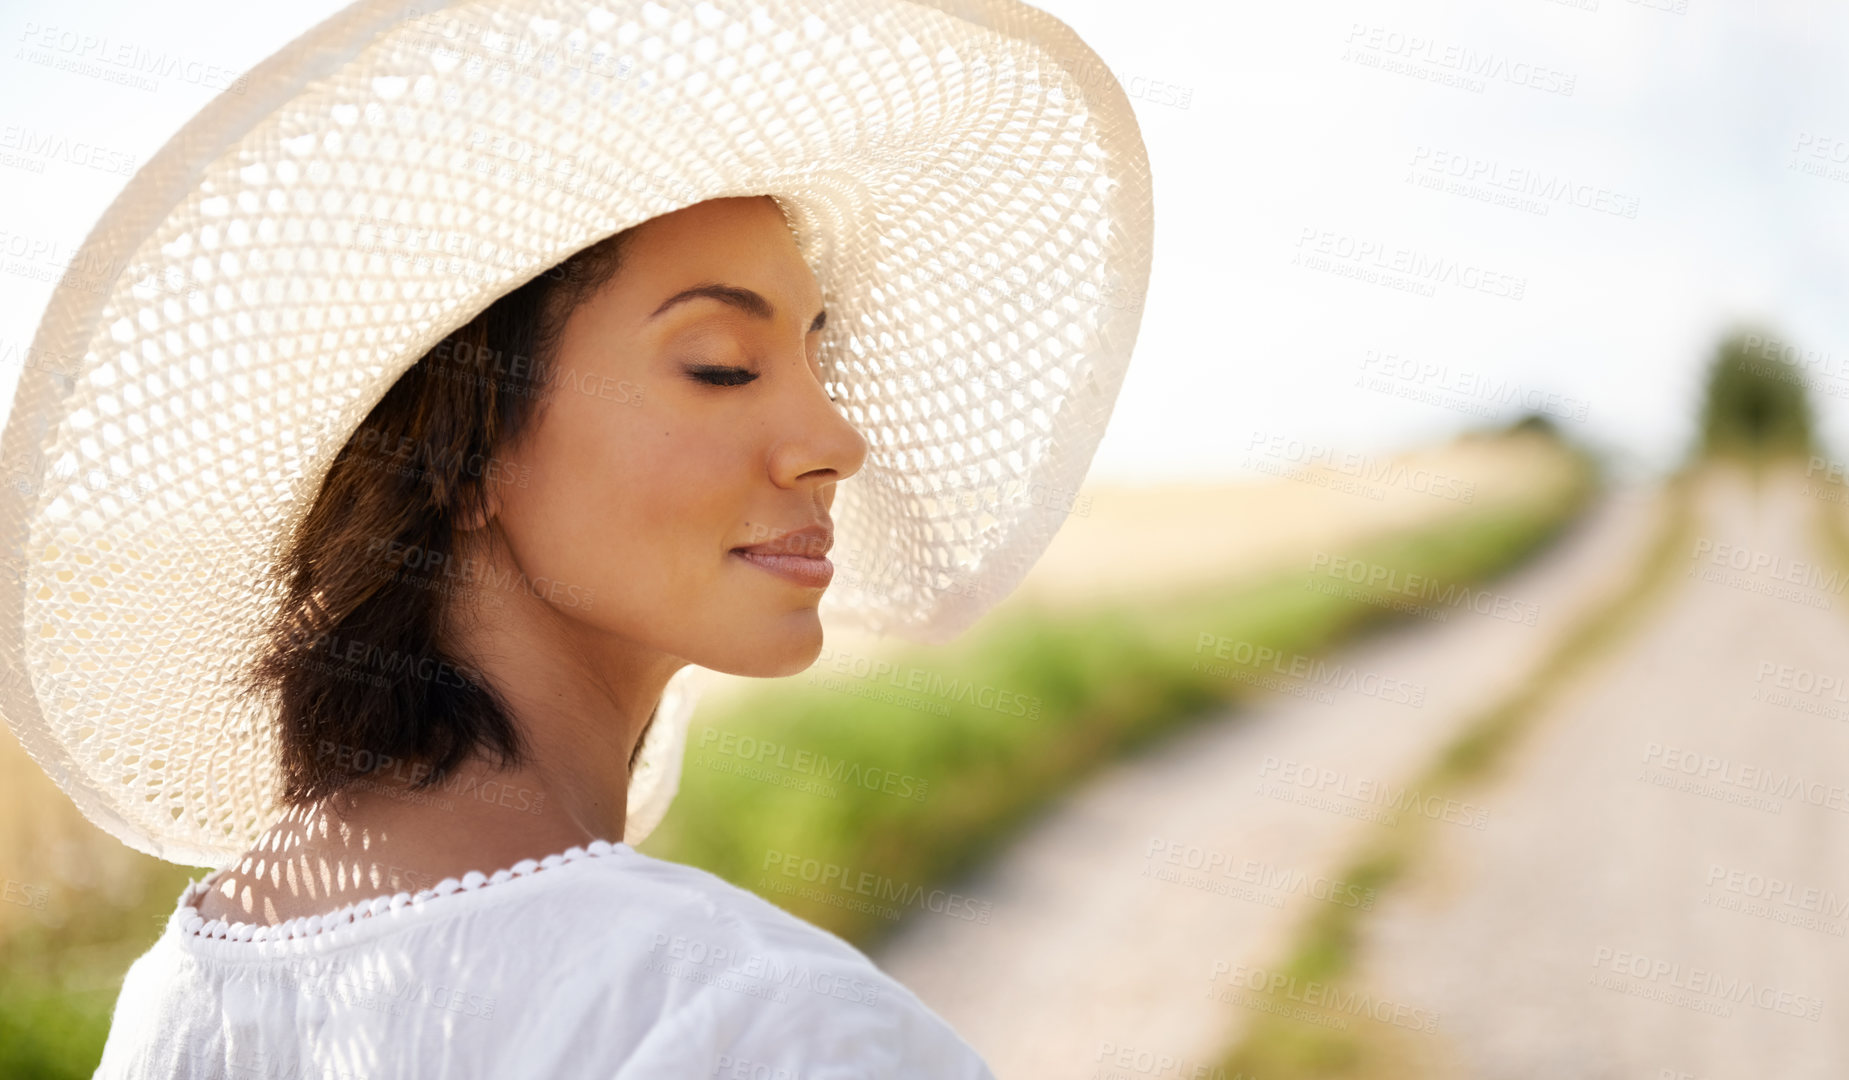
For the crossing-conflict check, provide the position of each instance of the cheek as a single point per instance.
(636, 507)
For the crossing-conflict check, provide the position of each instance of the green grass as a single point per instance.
(48, 1031)
(1827, 522)
(1325, 945)
(59, 983)
(1108, 681)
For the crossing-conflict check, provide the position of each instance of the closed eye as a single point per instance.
(721, 374)
(725, 375)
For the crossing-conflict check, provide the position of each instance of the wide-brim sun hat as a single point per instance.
(966, 180)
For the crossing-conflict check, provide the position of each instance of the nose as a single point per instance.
(817, 444)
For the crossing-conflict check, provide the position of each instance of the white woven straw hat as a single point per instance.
(966, 179)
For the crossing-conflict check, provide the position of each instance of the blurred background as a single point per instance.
(1440, 673)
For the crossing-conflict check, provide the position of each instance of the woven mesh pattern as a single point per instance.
(966, 181)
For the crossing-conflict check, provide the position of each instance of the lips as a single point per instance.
(799, 556)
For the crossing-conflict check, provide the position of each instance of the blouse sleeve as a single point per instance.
(731, 998)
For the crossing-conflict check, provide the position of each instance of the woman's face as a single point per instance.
(688, 420)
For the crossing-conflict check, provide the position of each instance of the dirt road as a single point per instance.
(1663, 893)
(1107, 918)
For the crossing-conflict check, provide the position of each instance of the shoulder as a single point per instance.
(668, 908)
(720, 980)
(628, 898)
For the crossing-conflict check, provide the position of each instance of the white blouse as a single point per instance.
(596, 962)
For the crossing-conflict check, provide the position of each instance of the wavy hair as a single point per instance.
(355, 655)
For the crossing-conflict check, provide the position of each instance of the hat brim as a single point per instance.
(966, 180)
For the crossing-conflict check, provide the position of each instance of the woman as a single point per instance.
(586, 563)
(465, 527)
(692, 527)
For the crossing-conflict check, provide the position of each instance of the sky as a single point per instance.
(1376, 223)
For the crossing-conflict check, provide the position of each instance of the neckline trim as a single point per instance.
(188, 921)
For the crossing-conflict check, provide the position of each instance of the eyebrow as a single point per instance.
(745, 300)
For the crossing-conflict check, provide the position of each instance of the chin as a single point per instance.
(789, 647)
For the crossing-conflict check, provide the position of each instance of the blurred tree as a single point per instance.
(1528, 422)
(1533, 422)
(1758, 403)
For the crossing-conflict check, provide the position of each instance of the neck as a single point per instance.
(580, 698)
(579, 695)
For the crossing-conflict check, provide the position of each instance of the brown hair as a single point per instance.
(355, 653)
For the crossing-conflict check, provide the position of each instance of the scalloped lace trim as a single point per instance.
(191, 922)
